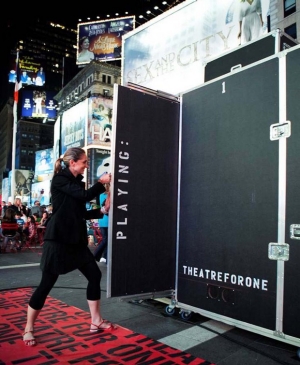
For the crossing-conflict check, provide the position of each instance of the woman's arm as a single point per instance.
(65, 185)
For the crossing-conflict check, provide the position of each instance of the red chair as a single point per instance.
(11, 236)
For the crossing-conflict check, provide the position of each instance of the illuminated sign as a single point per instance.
(44, 163)
(38, 104)
(29, 70)
(99, 127)
(102, 40)
(73, 126)
(169, 52)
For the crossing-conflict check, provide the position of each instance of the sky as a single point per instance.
(111, 7)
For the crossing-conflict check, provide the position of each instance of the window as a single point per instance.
(106, 79)
(289, 7)
(291, 31)
(105, 92)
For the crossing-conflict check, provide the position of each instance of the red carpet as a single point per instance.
(63, 337)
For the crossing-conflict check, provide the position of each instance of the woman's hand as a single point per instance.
(105, 179)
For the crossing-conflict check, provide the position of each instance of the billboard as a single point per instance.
(73, 126)
(99, 162)
(44, 163)
(37, 103)
(41, 191)
(99, 128)
(168, 53)
(102, 40)
(56, 139)
(5, 189)
(23, 179)
(28, 69)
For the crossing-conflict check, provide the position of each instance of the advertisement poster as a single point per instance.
(170, 51)
(99, 129)
(38, 104)
(23, 180)
(99, 163)
(41, 192)
(44, 163)
(102, 40)
(5, 189)
(73, 126)
(56, 153)
(29, 70)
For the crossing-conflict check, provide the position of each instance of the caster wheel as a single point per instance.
(186, 315)
(170, 310)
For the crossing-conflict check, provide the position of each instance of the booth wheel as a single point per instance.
(170, 310)
(186, 315)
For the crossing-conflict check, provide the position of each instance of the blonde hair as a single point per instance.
(73, 153)
(17, 200)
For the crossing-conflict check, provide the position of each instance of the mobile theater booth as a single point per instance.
(205, 192)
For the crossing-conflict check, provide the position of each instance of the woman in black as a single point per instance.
(65, 241)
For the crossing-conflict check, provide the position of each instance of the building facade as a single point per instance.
(285, 15)
(31, 137)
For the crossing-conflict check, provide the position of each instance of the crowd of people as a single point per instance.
(20, 224)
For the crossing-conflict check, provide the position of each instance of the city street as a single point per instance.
(215, 342)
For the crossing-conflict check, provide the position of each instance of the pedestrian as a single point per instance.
(3, 208)
(37, 209)
(65, 241)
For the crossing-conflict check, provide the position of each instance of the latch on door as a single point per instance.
(280, 130)
(295, 231)
(279, 251)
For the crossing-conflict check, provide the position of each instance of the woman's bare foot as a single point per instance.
(102, 325)
(28, 338)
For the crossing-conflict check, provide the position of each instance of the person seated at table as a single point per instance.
(42, 226)
(24, 215)
(36, 217)
(32, 231)
(9, 227)
(44, 219)
(21, 225)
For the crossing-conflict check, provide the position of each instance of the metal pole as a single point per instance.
(13, 162)
(15, 124)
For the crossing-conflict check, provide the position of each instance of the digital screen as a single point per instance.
(169, 52)
(44, 163)
(28, 69)
(41, 191)
(99, 131)
(102, 40)
(73, 125)
(38, 104)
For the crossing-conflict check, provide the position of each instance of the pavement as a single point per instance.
(199, 336)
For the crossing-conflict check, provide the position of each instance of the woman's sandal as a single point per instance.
(100, 327)
(31, 341)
